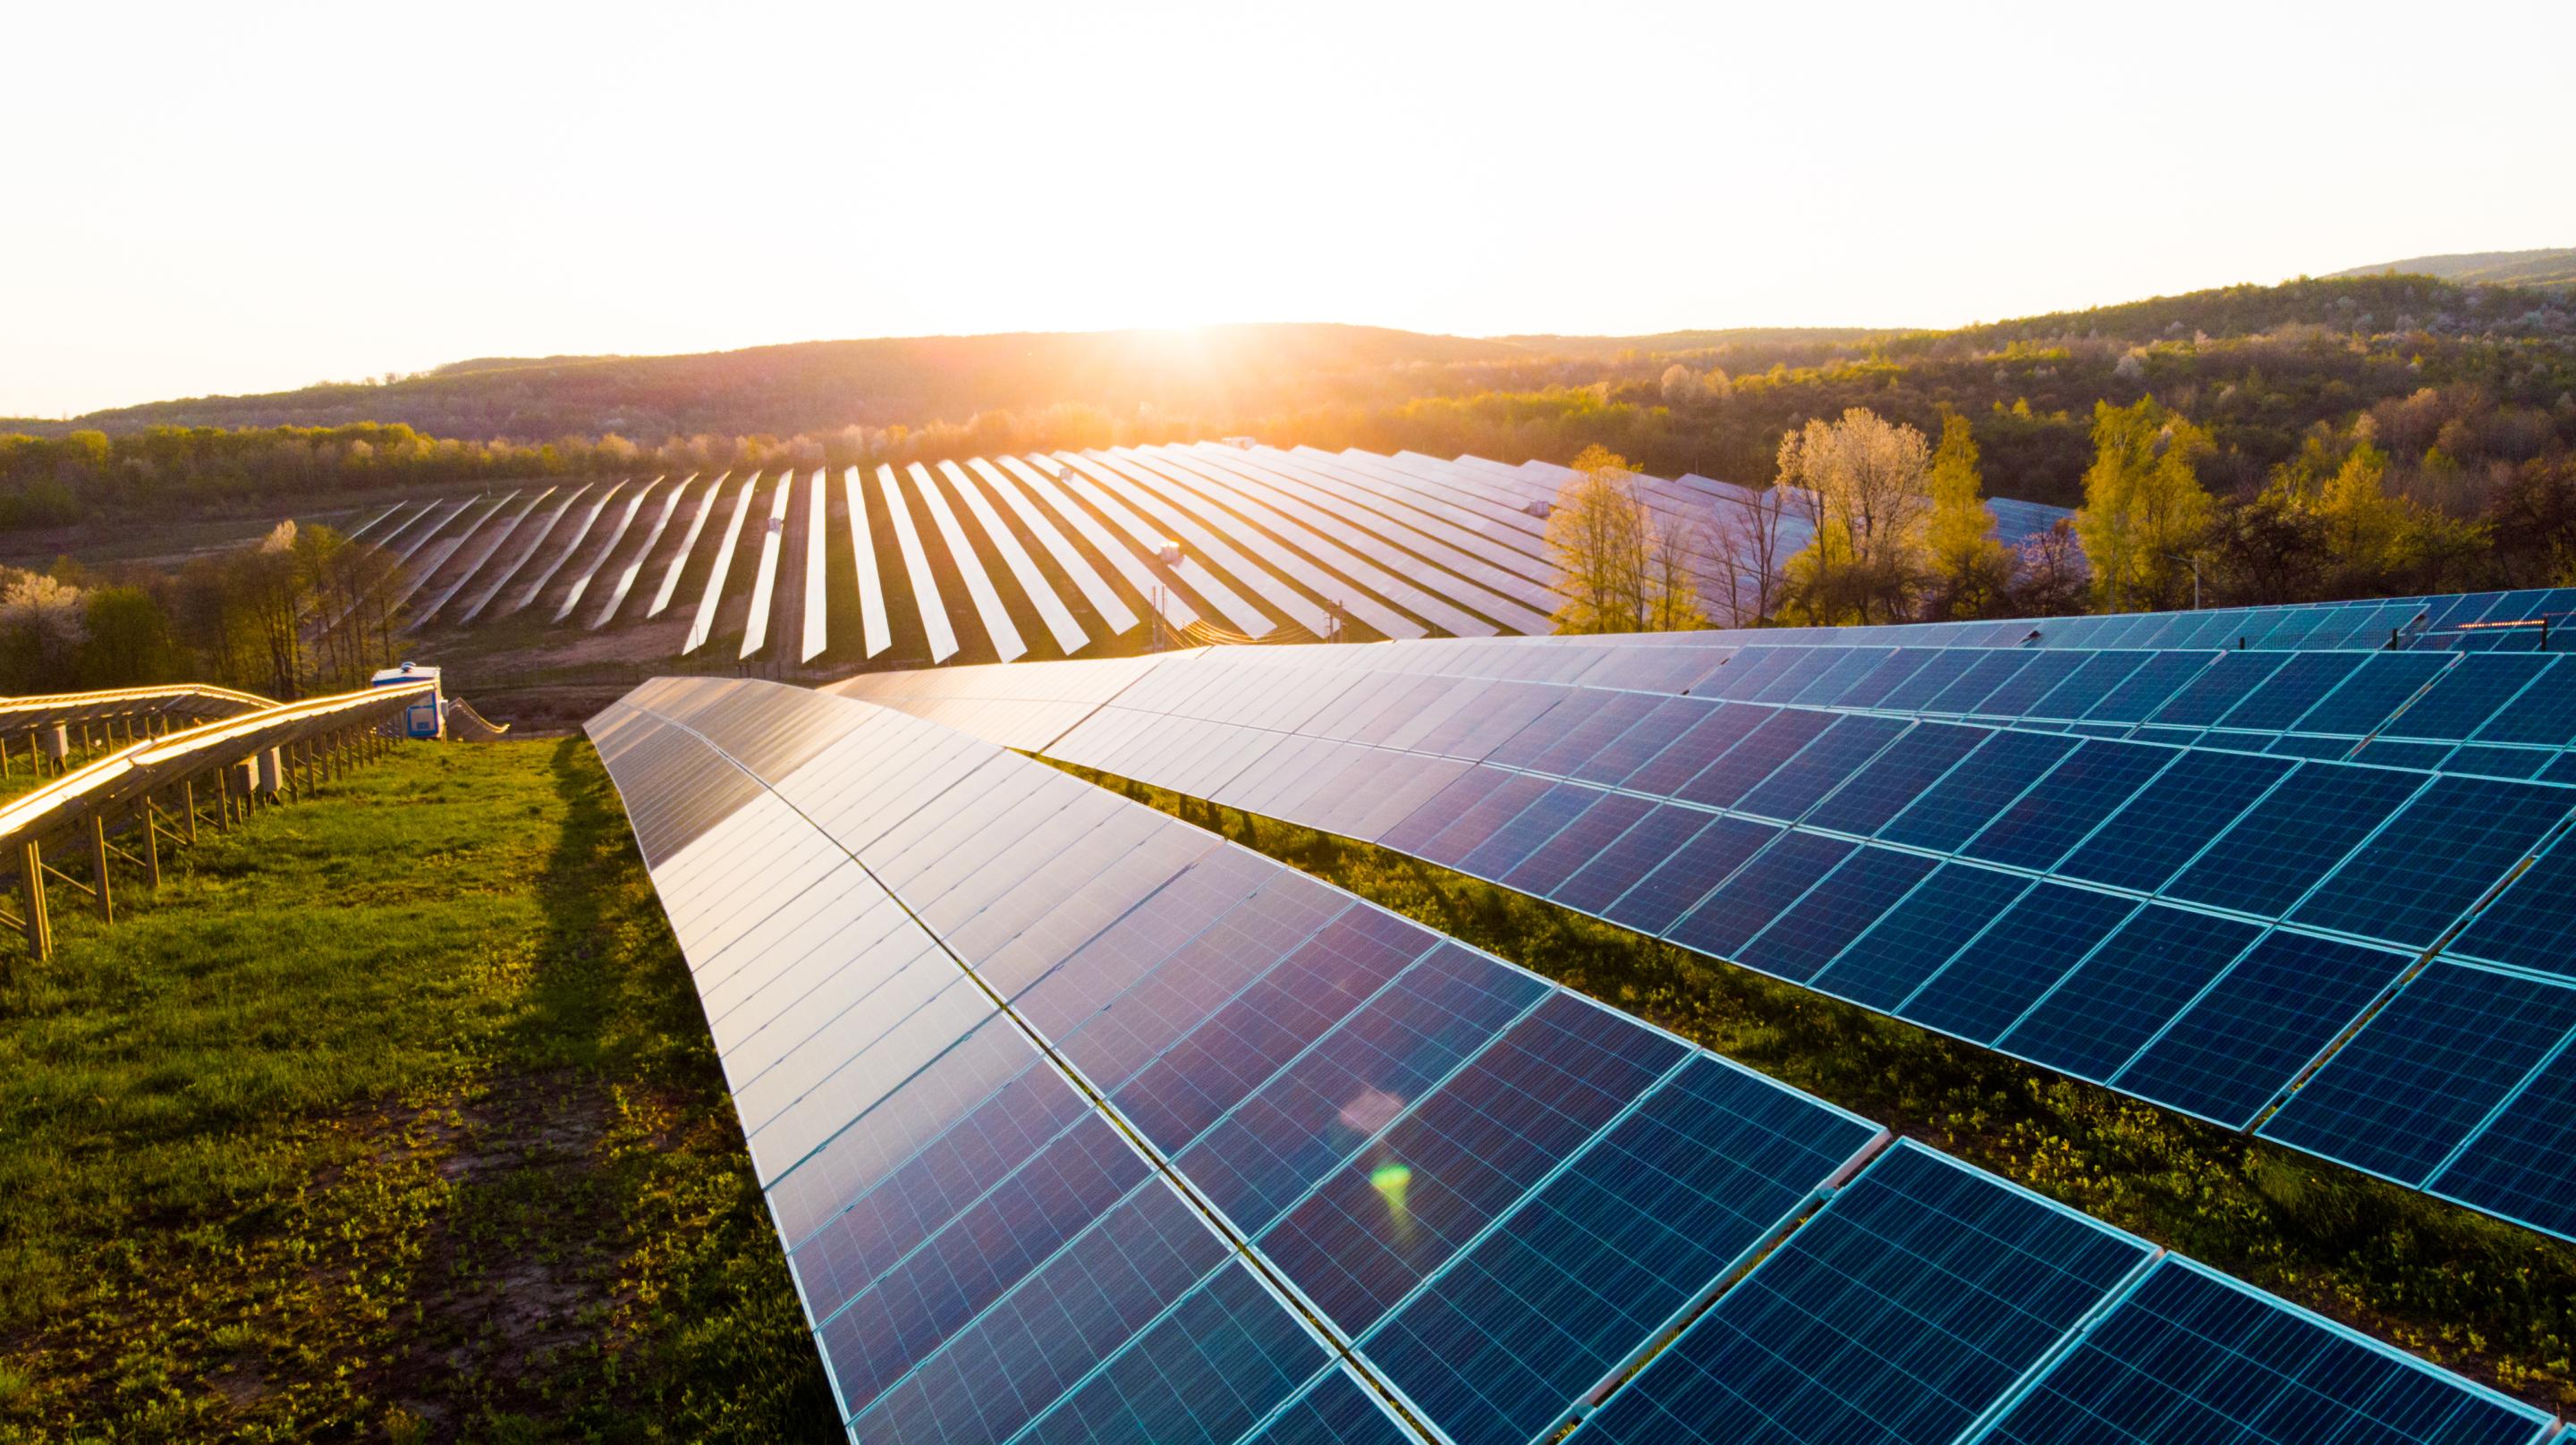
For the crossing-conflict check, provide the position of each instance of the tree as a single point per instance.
(1678, 385)
(2051, 573)
(1751, 549)
(2144, 509)
(128, 639)
(1620, 574)
(43, 623)
(1970, 569)
(1864, 484)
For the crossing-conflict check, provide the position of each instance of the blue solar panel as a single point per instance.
(1836, 754)
(1186, 1088)
(2013, 962)
(2191, 1356)
(1701, 744)
(1952, 810)
(1828, 686)
(2532, 924)
(2133, 985)
(1750, 761)
(1227, 1355)
(1535, 825)
(1256, 1161)
(1576, 844)
(1896, 777)
(2173, 818)
(1635, 853)
(1377, 1226)
(1651, 735)
(1052, 1329)
(981, 1152)
(1748, 672)
(1836, 911)
(2277, 852)
(2236, 1048)
(2425, 1069)
(1759, 892)
(1985, 672)
(2102, 675)
(1637, 1228)
(2374, 690)
(2523, 1164)
(1708, 859)
(2018, 694)
(1885, 965)
(1481, 821)
(2301, 684)
(2085, 787)
(875, 1328)
(1945, 670)
(2436, 857)
(1874, 687)
(2226, 682)
(2543, 714)
(2462, 699)
(2496, 762)
(1601, 720)
(1789, 681)
(2147, 689)
(1900, 1313)
(1443, 808)
(1335, 1410)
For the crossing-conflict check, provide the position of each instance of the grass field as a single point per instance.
(392, 1118)
(2486, 1298)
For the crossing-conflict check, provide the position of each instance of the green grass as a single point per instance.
(392, 1117)
(2486, 1298)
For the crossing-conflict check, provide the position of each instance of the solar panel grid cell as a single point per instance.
(2447, 1049)
(1910, 943)
(1647, 1219)
(1900, 1313)
(2016, 960)
(2238, 1046)
(2104, 1010)
(2192, 1356)
(2086, 786)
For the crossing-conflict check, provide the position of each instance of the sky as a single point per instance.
(228, 199)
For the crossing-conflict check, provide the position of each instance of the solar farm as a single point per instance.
(1063, 1114)
(1078, 1121)
(1041, 556)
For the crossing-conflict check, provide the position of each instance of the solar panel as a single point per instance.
(2019, 956)
(2058, 810)
(1806, 937)
(2106, 1008)
(1972, 793)
(2437, 856)
(2191, 1355)
(1910, 943)
(1632, 1232)
(1912, 1301)
(2425, 1070)
(2237, 1046)
(2516, 1165)
(2284, 844)
(2172, 818)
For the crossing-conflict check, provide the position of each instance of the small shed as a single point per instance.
(426, 718)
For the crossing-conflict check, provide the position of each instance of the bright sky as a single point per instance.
(237, 198)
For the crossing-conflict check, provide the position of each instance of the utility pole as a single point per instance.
(2194, 560)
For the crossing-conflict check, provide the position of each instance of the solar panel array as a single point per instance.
(1045, 555)
(2002, 844)
(1079, 1123)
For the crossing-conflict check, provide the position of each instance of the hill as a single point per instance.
(2549, 267)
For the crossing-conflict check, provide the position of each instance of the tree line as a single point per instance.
(300, 612)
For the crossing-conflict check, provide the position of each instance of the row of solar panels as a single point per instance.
(2519, 621)
(1043, 555)
(1082, 1124)
(2194, 926)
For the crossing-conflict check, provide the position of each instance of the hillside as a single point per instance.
(818, 386)
(2555, 266)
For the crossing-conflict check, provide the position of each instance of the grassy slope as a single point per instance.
(2548, 267)
(392, 1118)
(2485, 1298)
